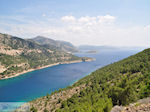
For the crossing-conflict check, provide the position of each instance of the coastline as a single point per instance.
(50, 65)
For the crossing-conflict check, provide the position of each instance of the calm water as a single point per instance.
(40, 82)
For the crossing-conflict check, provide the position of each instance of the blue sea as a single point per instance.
(38, 83)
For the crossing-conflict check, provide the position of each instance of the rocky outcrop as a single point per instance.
(142, 105)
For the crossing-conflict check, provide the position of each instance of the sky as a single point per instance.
(81, 22)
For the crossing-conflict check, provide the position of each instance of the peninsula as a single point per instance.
(19, 56)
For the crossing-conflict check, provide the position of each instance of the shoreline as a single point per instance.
(50, 65)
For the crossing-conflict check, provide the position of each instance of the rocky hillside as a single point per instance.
(120, 83)
(142, 105)
(18, 55)
(55, 44)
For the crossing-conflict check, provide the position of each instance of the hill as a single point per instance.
(97, 48)
(120, 83)
(55, 44)
(18, 56)
(85, 48)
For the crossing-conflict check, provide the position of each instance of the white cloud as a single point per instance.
(68, 19)
(107, 18)
(97, 30)
(97, 19)
(43, 15)
(89, 20)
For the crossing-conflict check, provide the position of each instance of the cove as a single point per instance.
(38, 83)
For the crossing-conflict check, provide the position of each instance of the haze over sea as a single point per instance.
(38, 83)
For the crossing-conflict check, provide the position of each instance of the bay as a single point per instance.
(38, 83)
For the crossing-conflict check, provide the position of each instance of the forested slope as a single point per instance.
(119, 83)
(18, 55)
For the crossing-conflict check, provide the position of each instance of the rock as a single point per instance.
(117, 108)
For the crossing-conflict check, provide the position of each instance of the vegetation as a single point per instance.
(17, 55)
(33, 109)
(120, 83)
(55, 44)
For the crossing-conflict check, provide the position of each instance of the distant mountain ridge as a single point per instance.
(18, 55)
(92, 47)
(108, 48)
(55, 44)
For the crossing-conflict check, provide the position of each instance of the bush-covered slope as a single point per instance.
(18, 55)
(119, 83)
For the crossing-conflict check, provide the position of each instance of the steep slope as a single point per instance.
(18, 55)
(142, 105)
(119, 83)
(54, 44)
